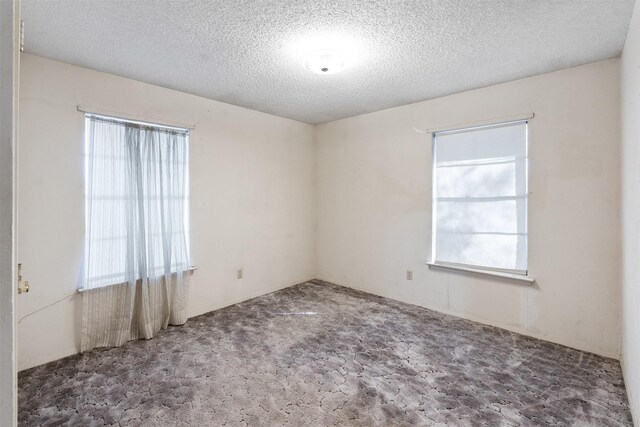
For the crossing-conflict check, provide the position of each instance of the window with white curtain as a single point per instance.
(480, 197)
(137, 222)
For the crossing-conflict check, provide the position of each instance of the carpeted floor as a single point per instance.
(318, 354)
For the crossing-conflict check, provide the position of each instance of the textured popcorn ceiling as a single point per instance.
(249, 52)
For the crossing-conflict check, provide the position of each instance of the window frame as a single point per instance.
(519, 275)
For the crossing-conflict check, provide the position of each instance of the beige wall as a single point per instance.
(374, 215)
(255, 202)
(252, 197)
(630, 90)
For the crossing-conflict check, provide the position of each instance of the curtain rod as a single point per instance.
(134, 118)
(489, 122)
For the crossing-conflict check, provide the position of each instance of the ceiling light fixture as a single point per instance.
(325, 61)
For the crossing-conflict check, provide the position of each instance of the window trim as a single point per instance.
(519, 275)
(485, 271)
(189, 270)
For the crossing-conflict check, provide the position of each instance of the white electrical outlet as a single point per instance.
(409, 275)
(239, 274)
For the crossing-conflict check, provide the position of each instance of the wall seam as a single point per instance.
(316, 202)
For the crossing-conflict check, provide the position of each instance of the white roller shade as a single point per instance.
(480, 197)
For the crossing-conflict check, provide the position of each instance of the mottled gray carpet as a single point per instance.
(318, 354)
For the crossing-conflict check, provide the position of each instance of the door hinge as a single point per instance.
(23, 285)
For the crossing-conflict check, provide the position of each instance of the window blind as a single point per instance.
(480, 197)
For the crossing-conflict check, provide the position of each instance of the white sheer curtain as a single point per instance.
(137, 237)
(480, 197)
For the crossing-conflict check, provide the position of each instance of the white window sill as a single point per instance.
(512, 276)
(80, 290)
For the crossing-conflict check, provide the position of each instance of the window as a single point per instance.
(136, 201)
(480, 198)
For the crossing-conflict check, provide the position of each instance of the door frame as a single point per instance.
(9, 72)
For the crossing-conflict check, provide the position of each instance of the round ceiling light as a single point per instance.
(325, 62)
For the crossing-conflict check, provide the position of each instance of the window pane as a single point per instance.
(481, 180)
(492, 216)
(482, 250)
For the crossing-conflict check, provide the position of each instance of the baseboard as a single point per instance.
(243, 299)
(34, 362)
(522, 331)
(578, 346)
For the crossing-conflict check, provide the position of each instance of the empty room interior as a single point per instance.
(320, 213)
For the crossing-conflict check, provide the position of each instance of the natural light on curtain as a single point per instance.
(480, 197)
(137, 234)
